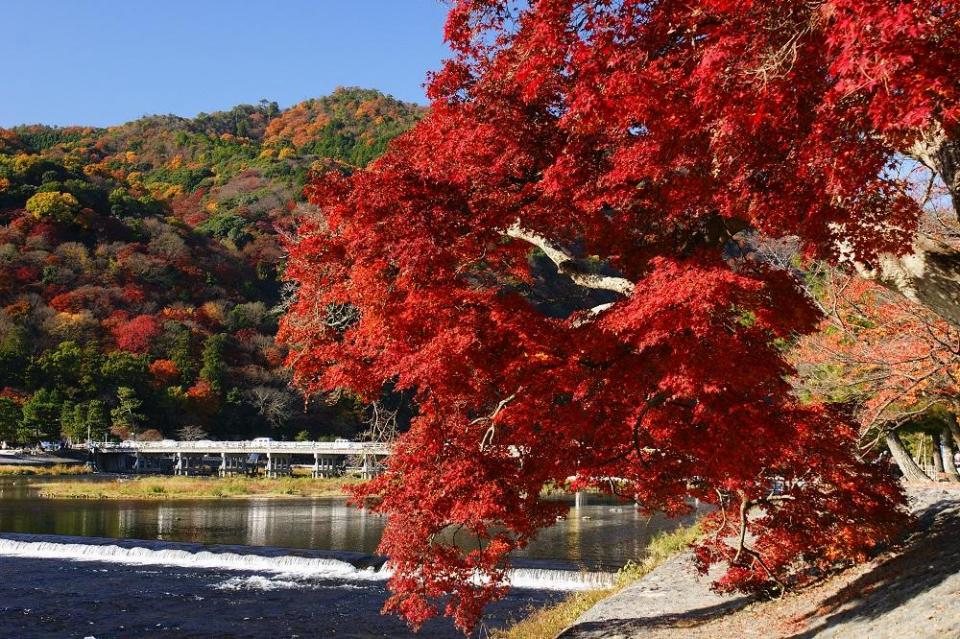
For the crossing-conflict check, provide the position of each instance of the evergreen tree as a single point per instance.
(68, 424)
(121, 368)
(41, 417)
(182, 355)
(214, 368)
(126, 417)
(10, 416)
(85, 421)
(96, 421)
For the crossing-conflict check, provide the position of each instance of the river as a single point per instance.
(252, 567)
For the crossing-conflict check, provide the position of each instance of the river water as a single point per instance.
(253, 567)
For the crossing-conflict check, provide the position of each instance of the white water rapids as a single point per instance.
(286, 571)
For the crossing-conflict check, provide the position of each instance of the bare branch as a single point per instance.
(487, 439)
(569, 265)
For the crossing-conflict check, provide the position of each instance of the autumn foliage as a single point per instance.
(541, 263)
(126, 252)
(881, 353)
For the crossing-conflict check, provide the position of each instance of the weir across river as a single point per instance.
(326, 459)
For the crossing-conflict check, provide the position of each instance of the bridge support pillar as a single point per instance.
(232, 464)
(324, 466)
(278, 465)
(187, 463)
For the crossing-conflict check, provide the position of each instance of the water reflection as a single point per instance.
(601, 534)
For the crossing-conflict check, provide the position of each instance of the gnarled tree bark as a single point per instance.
(937, 454)
(911, 471)
(930, 274)
(946, 453)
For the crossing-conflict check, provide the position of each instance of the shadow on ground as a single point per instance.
(631, 627)
(932, 557)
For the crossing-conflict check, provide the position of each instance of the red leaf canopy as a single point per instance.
(544, 263)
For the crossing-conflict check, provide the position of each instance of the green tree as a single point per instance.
(226, 226)
(181, 353)
(88, 421)
(68, 419)
(10, 416)
(96, 420)
(41, 416)
(214, 368)
(122, 368)
(69, 368)
(14, 353)
(127, 416)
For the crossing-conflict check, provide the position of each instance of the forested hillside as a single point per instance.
(139, 269)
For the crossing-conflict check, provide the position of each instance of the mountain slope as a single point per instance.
(139, 268)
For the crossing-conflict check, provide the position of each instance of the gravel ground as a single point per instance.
(8, 458)
(912, 593)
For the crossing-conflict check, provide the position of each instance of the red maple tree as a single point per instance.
(136, 334)
(541, 264)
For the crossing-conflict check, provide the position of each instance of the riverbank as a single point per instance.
(548, 622)
(168, 487)
(911, 591)
(24, 470)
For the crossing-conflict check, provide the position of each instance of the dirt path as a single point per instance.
(913, 593)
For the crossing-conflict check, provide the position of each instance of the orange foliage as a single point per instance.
(894, 359)
(164, 371)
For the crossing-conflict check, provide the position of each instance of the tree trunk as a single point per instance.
(939, 151)
(954, 429)
(909, 468)
(937, 457)
(946, 452)
(930, 274)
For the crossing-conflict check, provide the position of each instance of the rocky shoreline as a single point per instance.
(913, 591)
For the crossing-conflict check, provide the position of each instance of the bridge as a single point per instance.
(238, 457)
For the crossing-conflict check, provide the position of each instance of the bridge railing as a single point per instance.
(212, 446)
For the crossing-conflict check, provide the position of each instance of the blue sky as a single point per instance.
(102, 62)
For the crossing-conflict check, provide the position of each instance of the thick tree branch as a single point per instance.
(929, 276)
(930, 273)
(570, 266)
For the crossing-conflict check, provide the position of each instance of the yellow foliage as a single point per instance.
(268, 153)
(175, 162)
(72, 326)
(214, 311)
(211, 206)
(4, 184)
(22, 162)
(130, 156)
(61, 207)
(287, 153)
(74, 163)
(172, 191)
